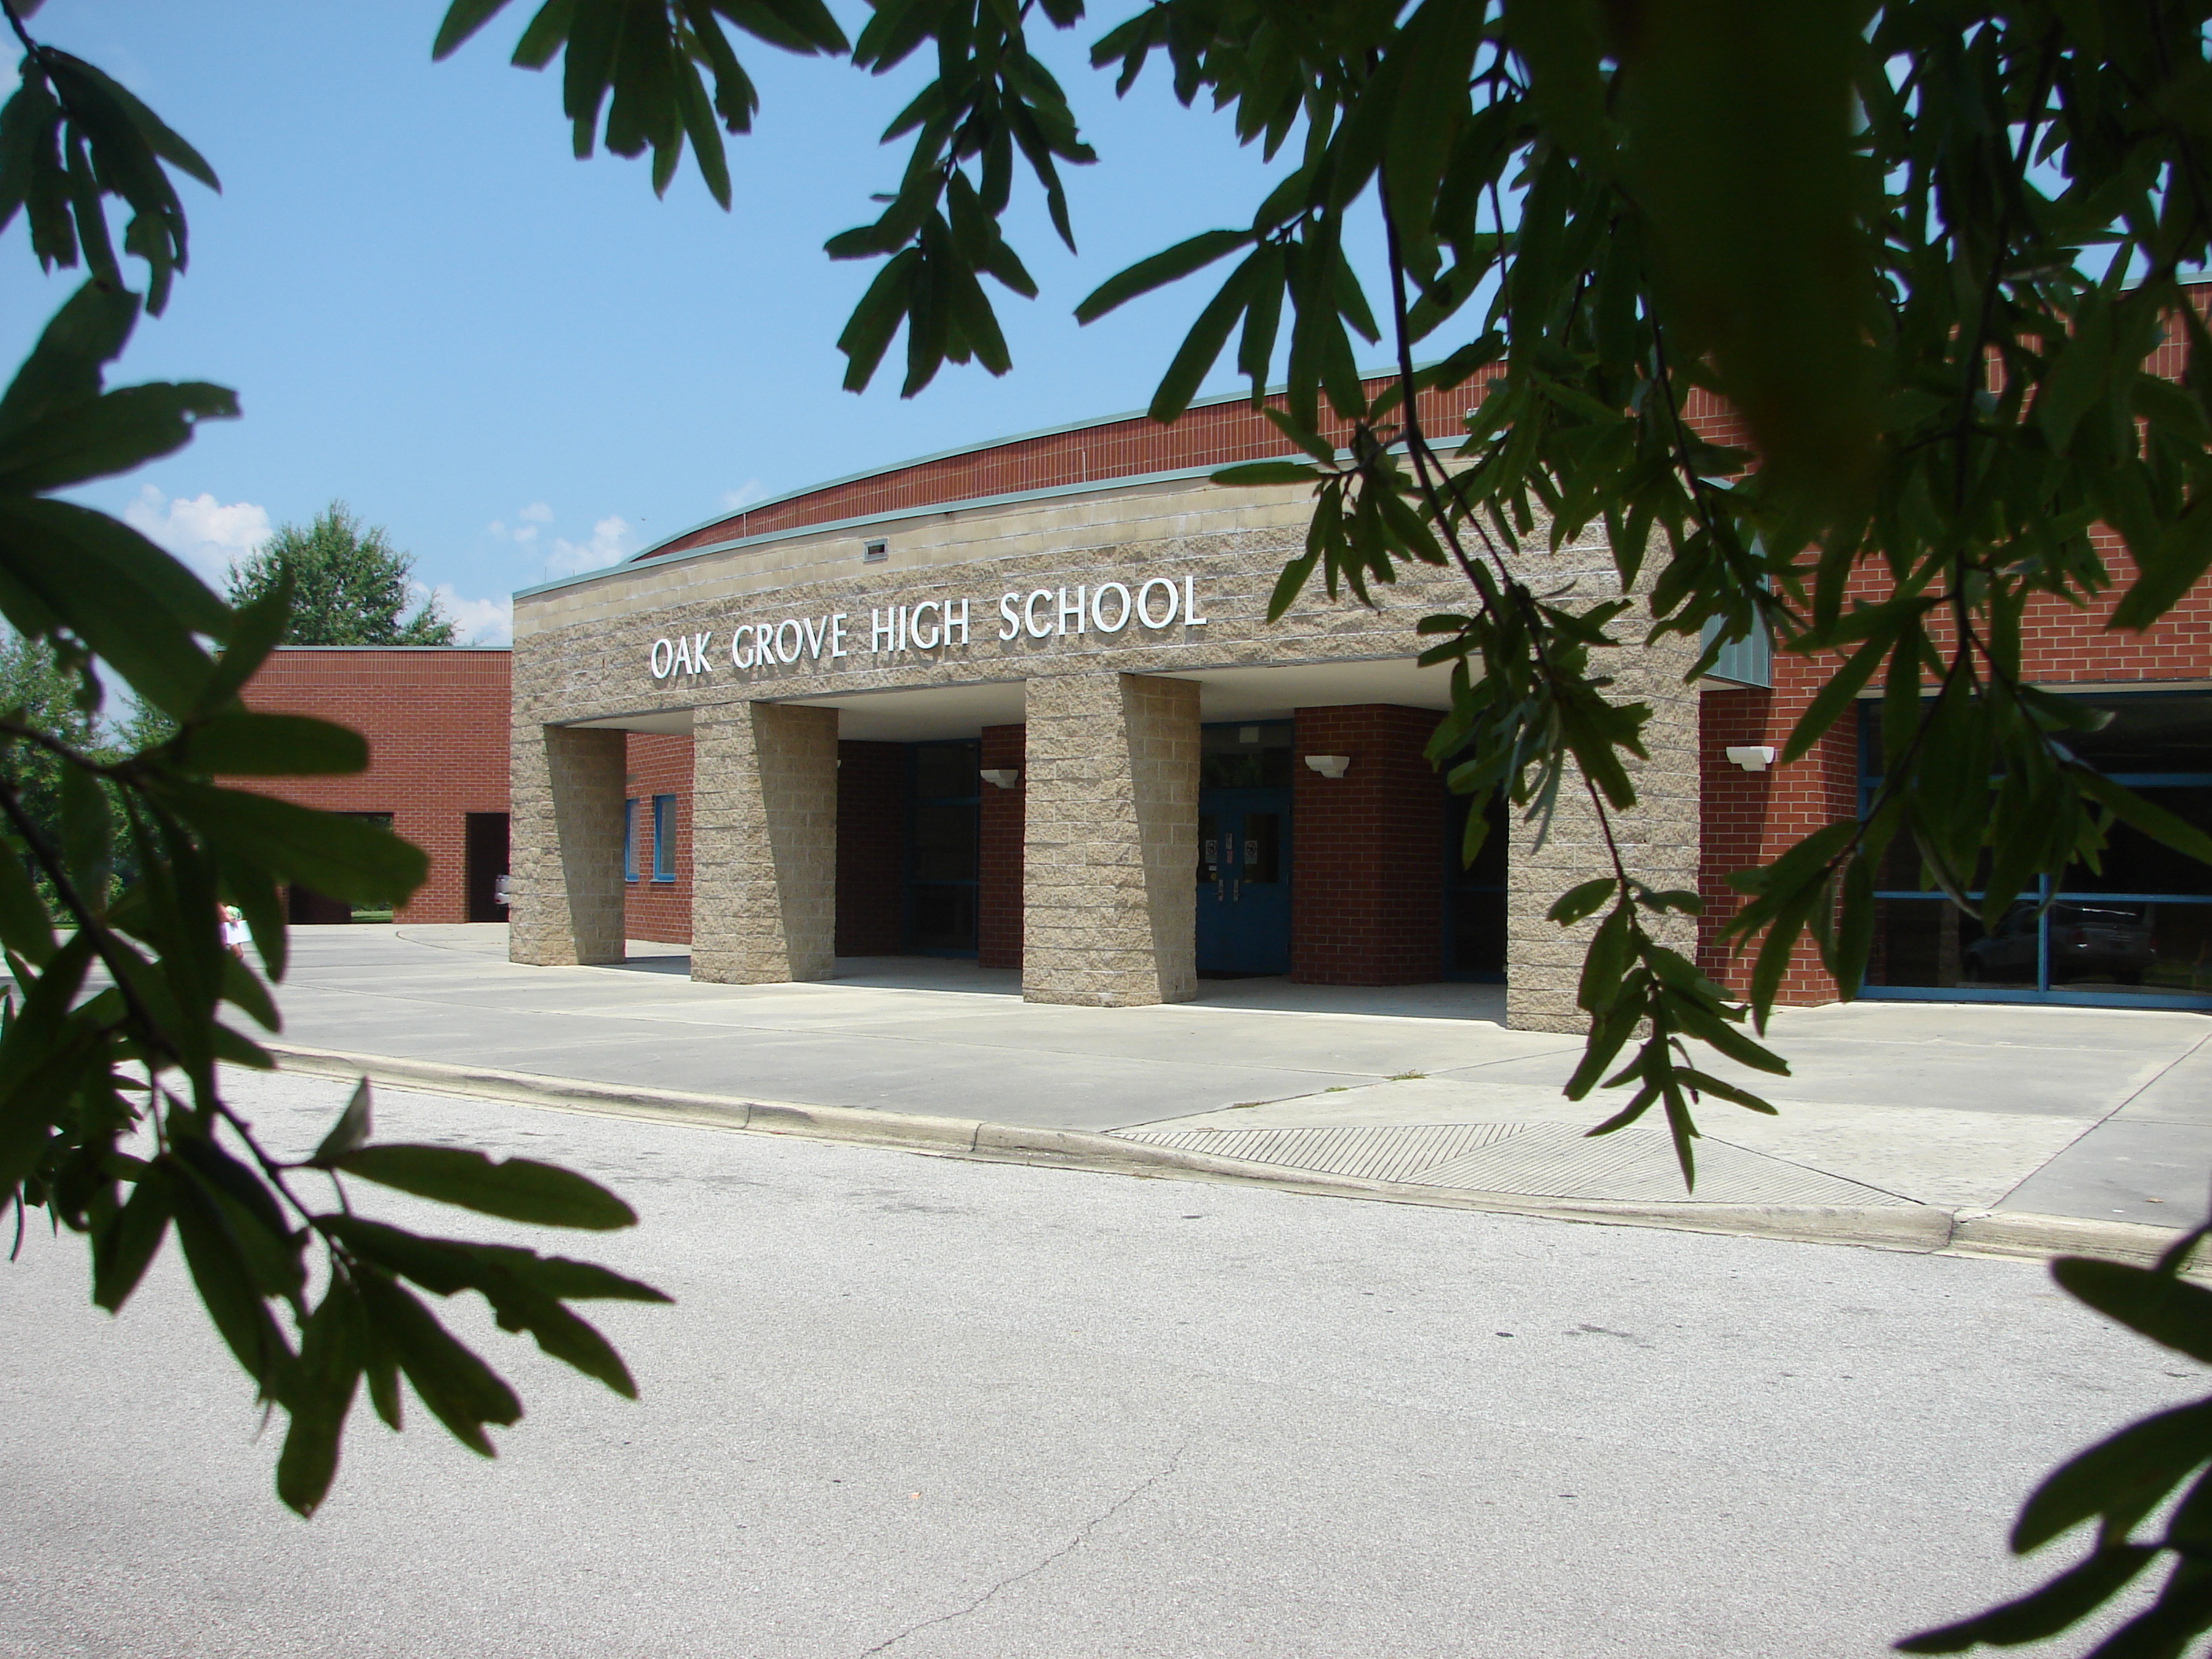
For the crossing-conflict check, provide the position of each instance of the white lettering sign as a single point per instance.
(1111, 609)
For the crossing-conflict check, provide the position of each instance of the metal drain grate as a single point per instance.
(1536, 1160)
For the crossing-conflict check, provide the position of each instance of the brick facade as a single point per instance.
(1366, 850)
(659, 763)
(999, 852)
(436, 722)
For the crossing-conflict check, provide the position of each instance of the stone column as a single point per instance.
(763, 843)
(1109, 840)
(1658, 838)
(566, 855)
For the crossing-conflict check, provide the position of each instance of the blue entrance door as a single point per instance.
(1245, 881)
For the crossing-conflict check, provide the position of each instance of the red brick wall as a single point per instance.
(998, 853)
(1219, 433)
(1367, 866)
(870, 848)
(436, 722)
(658, 764)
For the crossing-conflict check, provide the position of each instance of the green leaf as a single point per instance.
(2121, 1478)
(346, 858)
(1578, 903)
(330, 1357)
(111, 434)
(463, 18)
(352, 1130)
(461, 1391)
(2153, 821)
(1252, 474)
(251, 745)
(2170, 1311)
(1168, 265)
(519, 1189)
(124, 1249)
(2059, 1605)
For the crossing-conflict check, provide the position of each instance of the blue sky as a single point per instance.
(523, 365)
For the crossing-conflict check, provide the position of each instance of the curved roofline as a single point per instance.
(953, 454)
(831, 525)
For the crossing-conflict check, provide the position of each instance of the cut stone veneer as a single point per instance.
(1110, 840)
(566, 854)
(764, 843)
(1658, 837)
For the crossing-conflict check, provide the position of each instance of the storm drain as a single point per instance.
(1536, 1160)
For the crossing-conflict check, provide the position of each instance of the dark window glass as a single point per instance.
(1929, 943)
(945, 843)
(629, 840)
(663, 837)
(944, 918)
(1263, 846)
(1475, 894)
(946, 770)
(1256, 755)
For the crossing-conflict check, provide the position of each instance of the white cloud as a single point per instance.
(751, 490)
(203, 533)
(536, 512)
(610, 541)
(525, 533)
(483, 622)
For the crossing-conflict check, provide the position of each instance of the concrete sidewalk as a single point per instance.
(2098, 1116)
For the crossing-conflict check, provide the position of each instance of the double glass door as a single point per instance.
(1245, 881)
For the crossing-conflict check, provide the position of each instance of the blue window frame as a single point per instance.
(629, 840)
(663, 837)
(2136, 933)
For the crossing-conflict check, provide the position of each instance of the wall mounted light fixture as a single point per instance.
(1754, 757)
(1003, 778)
(1329, 766)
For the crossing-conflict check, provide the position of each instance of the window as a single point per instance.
(2137, 931)
(663, 837)
(874, 552)
(629, 840)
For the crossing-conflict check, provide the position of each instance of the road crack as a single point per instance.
(1081, 1537)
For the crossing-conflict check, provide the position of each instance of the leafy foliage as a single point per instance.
(114, 862)
(350, 586)
(1922, 250)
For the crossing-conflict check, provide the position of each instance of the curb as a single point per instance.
(1923, 1229)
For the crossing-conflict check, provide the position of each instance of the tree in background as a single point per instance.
(350, 585)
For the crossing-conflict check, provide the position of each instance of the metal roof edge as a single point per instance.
(831, 525)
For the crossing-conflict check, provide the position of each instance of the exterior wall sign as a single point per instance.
(1152, 605)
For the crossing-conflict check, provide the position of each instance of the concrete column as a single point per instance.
(1109, 840)
(566, 852)
(1659, 839)
(763, 843)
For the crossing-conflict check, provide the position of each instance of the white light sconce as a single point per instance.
(1329, 766)
(1004, 778)
(1755, 757)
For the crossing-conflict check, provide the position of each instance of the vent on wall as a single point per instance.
(874, 552)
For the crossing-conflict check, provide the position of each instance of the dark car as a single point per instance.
(2088, 940)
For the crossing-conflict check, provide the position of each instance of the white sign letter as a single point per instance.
(1037, 630)
(664, 659)
(1068, 611)
(815, 634)
(798, 639)
(837, 635)
(1190, 617)
(699, 653)
(1098, 608)
(959, 621)
(1144, 602)
(1013, 624)
(741, 648)
(920, 643)
(880, 632)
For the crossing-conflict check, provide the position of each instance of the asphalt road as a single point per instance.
(921, 1406)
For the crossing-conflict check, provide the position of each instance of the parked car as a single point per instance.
(2088, 940)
